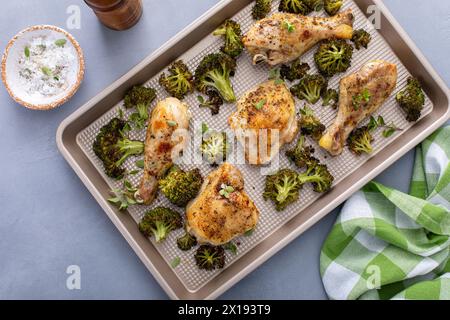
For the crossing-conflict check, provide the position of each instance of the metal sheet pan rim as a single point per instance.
(295, 232)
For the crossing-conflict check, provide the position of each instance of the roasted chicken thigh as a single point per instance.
(264, 121)
(217, 216)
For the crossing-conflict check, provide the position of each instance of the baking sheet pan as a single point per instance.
(76, 134)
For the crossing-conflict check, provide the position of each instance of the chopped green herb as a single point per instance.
(288, 26)
(381, 121)
(205, 127)
(171, 123)
(248, 233)
(60, 42)
(226, 190)
(175, 262)
(230, 246)
(388, 132)
(260, 104)
(360, 98)
(120, 113)
(279, 81)
(373, 124)
(201, 99)
(125, 197)
(46, 71)
(56, 78)
(27, 52)
(134, 172)
(275, 74)
(140, 164)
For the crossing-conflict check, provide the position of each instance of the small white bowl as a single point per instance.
(10, 68)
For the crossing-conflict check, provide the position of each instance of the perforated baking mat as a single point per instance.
(248, 76)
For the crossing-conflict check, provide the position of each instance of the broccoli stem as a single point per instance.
(129, 148)
(223, 84)
(161, 231)
(286, 189)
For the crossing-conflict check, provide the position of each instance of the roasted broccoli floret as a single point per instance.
(361, 38)
(113, 147)
(139, 97)
(295, 6)
(282, 188)
(180, 186)
(261, 9)
(215, 147)
(412, 99)
(209, 257)
(318, 175)
(231, 31)
(214, 102)
(214, 73)
(186, 242)
(301, 155)
(310, 88)
(333, 56)
(314, 5)
(330, 98)
(309, 124)
(179, 82)
(159, 222)
(332, 6)
(295, 71)
(360, 141)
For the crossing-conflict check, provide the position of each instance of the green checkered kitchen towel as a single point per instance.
(387, 244)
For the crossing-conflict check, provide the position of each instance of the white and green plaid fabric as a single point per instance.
(387, 244)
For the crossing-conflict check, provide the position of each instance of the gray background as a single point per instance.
(48, 220)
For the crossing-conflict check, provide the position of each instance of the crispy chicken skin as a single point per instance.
(377, 79)
(161, 148)
(270, 40)
(269, 106)
(216, 219)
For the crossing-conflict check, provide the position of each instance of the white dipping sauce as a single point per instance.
(45, 64)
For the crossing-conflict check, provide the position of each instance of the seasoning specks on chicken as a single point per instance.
(269, 106)
(283, 37)
(217, 217)
(161, 147)
(361, 94)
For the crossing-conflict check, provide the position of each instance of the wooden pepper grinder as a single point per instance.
(117, 14)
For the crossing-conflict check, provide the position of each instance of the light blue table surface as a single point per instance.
(48, 219)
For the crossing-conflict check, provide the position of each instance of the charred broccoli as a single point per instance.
(180, 186)
(360, 141)
(215, 147)
(412, 99)
(295, 6)
(332, 6)
(214, 73)
(186, 242)
(179, 82)
(314, 5)
(139, 97)
(310, 88)
(318, 175)
(330, 98)
(113, 148)
(231, 31)
(214, 102)
(361, 38)
(301, 155)
(159, 222)
(282, 188)
(261, 9)
(209, 257)
(295, 71)
(309, 124)
(333, 56)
